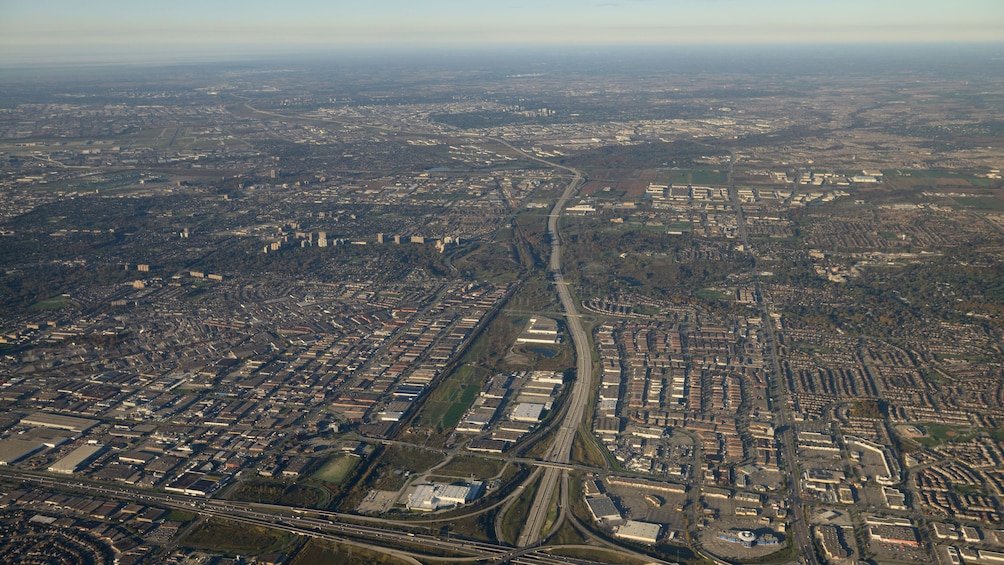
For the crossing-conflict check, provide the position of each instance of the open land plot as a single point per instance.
(54, 303)
(321, 551)
(336, 469)
(452, 398)
(463, 466)
(224, 535)
(698, 176)
(279, 492)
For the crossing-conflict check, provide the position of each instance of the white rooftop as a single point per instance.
(644, 532)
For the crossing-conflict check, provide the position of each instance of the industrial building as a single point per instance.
(14, 450)
(59, 422)
(435, 496)
(540, 330)
(527, 412)
(76, 459)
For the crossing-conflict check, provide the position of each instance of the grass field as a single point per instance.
(512, 522)
(679, 226)
(224, 535)
(464, 466)
(980, 203)
(567, 535)
(552, 512)
(586, 452)
(278, 492)
(938, 434)
(54, 303)
(694, 176)
(452, 398)
(710, 294)
(395, 461)
(318, 552)
(597, 554)
(180, 516)
(336, 469)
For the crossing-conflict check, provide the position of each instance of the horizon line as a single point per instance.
(222, 53)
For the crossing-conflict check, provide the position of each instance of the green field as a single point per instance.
(924, 175)
(279, 492)
(597, 554)
(714, 177)
(986, 203)
(180, 516)
(512, 522)
(224, 535)
(54, 303)
(394, 465)
(586, 452)
(939, 434)
(452, 398)
(336, 469)
(318, 552)
(464, 466)
(711, 294)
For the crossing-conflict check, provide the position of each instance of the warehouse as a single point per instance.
(432, 497)
(76, 459)
(14, 450)
(59, 422)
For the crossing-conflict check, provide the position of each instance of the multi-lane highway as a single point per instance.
(407, 546)
(561, 446)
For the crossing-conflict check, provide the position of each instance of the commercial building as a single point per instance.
(980, 556)
(603, 509)
(194, 484)
(892, 470)
(48, 437)
(487, 445)
(746, 538)
(831, 538)
(894, 534)
(643, 532)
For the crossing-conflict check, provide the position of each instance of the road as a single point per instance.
(409, 547)
(561, 447)
(782, 415)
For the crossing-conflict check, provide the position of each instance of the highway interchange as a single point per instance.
(320, 524)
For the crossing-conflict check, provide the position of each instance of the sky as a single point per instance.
(78, 29)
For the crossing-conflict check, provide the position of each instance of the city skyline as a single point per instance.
(110, 30)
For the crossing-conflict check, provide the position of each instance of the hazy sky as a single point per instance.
(74, 28)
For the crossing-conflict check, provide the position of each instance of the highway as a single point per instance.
(407, 546)
(561, 447)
